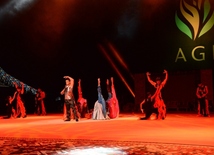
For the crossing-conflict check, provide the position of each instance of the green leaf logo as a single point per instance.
(198, 18)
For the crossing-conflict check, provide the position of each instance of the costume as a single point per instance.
(39, 103)
(10, 110)
(148, 108)
(203, 105)
(113, 105)
(70, 103)
(81, 103)
(99, 111)
(20, 108)
(158, 100)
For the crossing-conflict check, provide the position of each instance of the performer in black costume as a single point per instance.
(69, 98)
(147, 107)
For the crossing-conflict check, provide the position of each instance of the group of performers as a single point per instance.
(19, 109)
(155, 104)
(103, 109)
(111, 105)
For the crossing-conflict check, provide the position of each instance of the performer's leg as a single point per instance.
(68, 112)
(23, 111)
(207, 107)
(64, 111)
(39, 108)
(18, 111)
(147, 115)
(13, 115)
(43, 108)
(199, 108)
(9, 110)
(164, 111)
(202, 105)
(101, 100)
(72, 104)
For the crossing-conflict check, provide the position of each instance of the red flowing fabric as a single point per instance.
(113, 105)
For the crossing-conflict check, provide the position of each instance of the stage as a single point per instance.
(179, 133)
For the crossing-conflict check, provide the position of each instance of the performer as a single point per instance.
(99, 111)
(112, 101)
(147, 106)
(69, 98)
(81, 102)
(20, 108)
(11, 113)
(39, 102)
(158, 100)
(203, 104)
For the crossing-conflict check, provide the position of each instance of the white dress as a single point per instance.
(97, 112)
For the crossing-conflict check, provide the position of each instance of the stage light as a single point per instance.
(119, 58)
(94, 151)
(116, 69)
(15, 6)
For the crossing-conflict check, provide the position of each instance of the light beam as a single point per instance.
(119, 58)
(116, 69)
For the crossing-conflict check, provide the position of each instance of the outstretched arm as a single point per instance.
(62, 92)
(141, 104)
(14, 95)
(149, 79)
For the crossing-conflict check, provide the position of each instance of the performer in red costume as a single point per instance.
(81, 102)
(112, 101)
(158, 100)
(20, 108)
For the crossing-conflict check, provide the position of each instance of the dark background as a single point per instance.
(43, 40)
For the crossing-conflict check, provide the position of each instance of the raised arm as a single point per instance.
(112, 88)
(22, 90)
(166, 77)
(71, 80)
(149, 79)
(79, 89)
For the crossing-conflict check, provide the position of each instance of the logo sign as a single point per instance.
(198, 18)
(194, 18)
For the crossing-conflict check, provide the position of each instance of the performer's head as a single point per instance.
(148, 94)
(39, 90)
(158, 80)
(200, 85)
(9, 98)
(67, 81)
(18, 89)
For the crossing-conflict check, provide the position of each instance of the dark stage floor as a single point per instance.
(178, 134)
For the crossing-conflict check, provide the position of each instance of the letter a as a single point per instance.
(180, 55)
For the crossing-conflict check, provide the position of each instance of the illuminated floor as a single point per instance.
(178, 134)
